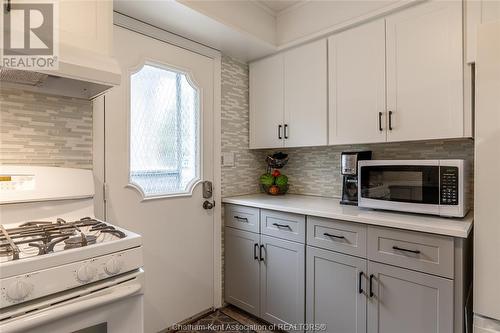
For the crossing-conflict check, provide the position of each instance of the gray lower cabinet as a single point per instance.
(409, 301)
(242, 269)
(351, 278)
(335, 291)
(282, 280)
(265, 276)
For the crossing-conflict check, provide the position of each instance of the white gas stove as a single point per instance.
(58, 262)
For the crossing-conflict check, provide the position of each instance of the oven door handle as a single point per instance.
(64, 310)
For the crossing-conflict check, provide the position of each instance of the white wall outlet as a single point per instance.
(227, 159)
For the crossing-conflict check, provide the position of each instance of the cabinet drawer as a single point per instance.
(242, 217)
(283, 225)
(414, 250)
(336, 235)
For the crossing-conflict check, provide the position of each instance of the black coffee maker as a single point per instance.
(349, 169)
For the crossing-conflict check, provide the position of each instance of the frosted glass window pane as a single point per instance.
(164, 132)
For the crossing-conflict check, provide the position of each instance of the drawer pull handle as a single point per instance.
(371, 285)
(360, 280)
(334, 236)
(239, 218)
(405, 250)
(277, 225)
(255, 247)
(261, 258)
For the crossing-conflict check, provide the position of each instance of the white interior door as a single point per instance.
(159, 148)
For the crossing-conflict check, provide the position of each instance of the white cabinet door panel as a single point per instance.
(356, 59)
(282, 281)
(334, 294)
(242, 269)
(409, 302)
(305, 95)
(87, 24)
(425, 72)
(266, 102)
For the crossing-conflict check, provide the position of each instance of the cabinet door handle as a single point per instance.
(405, 250)
(371, 285)
(380, 122)
(279, 132)
(277, 225)
(239, 218)
(334, 236)
(286, 131)
(390, 120)
(261, 258)
(255, 247)
(361, 280)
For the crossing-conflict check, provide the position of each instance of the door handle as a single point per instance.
(390, 120)
(279, 132)
(261, 258)
(371, 285)
(255, 247)
(380, 122)
(286, 131)
(208, 204)
(360, 289)
(405, 250)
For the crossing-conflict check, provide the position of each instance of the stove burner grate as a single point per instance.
(46, 235)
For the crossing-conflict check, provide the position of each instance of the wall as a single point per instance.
(317, 17)
(316, 170)
(39, 129)
(240, 179)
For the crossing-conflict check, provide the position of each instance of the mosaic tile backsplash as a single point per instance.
(46, 130)
(242, 178)
(316, 170)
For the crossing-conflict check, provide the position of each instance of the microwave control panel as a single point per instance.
(449, 185)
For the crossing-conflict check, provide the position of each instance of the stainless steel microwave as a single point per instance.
(435, 187)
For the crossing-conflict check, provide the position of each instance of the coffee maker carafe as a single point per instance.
(349, 169)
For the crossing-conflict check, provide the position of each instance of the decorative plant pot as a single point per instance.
(274, 189)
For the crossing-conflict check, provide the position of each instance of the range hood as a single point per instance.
(81, 74)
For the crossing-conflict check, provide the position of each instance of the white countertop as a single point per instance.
(331, 208)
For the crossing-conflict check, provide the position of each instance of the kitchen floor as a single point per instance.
(228, 319)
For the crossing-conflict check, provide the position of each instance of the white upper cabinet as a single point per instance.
(400, 78)
(425, 72)
(288, 98)
(266, 102)
(87, 24)
(356, 59)
(305, 97)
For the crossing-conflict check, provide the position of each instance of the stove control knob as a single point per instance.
(19, 290)
(113, 266)
(86, 273)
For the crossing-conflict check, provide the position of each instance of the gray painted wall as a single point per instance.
(47, 130)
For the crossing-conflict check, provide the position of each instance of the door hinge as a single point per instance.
(105, 192)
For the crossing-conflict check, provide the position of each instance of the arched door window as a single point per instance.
(164, 132)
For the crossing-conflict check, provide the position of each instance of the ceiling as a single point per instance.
(277, 6)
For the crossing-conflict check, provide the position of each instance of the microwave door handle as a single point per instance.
(65, 310)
